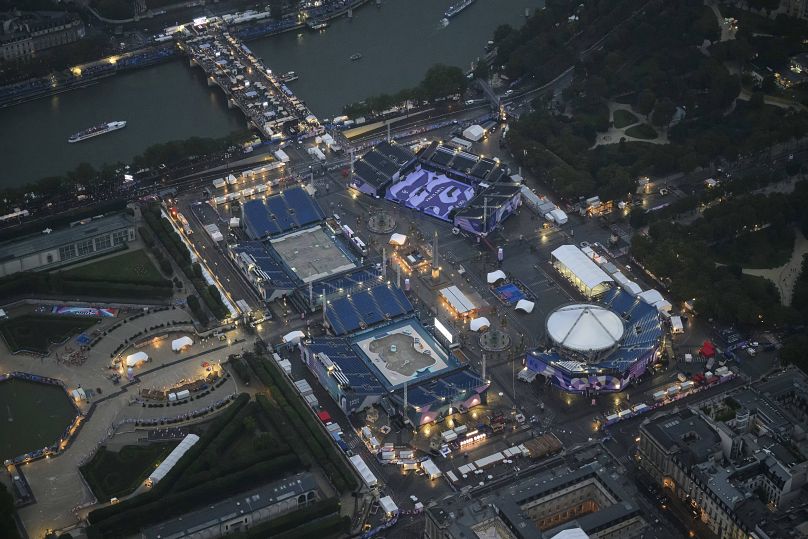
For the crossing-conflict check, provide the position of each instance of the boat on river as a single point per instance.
(96, 130)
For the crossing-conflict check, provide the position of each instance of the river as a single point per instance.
(398, 41)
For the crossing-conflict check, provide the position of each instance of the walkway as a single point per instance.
(614, 134)
(785, 276)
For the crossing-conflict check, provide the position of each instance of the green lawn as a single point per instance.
(624, 118)
(133, 267)
(35, 333)
(642, 131)
(114, 474)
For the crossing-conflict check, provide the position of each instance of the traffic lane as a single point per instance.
(213, 256)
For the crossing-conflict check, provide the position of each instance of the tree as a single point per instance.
(442, 80)
(637, 218)
(645, 102)
(663, 113)
(502, 31)
(8, 527)
(482, 71)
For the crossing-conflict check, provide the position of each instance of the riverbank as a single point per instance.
(90, 73)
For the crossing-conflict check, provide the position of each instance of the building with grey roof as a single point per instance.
(734, 461)
(55, 248)
(589, 497)
(239, 513)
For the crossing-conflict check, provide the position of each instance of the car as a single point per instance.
(337, 218)
(508, 93)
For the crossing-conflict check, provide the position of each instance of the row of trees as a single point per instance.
(439, 82)
(295, 417)
(210, 295)
(38, 284)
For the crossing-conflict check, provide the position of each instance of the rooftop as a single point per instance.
(35, 243)
(229, 508)
(585, 328)
(685, 430)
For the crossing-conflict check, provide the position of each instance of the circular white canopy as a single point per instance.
(585, 328)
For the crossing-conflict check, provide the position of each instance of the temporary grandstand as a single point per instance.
(432, 193)
(264, 268)
(475, 193)
(381, 166)
(463, 165)
(369, 305)
(599, 347)
(388, 361)
(488, 209)
(289, 210)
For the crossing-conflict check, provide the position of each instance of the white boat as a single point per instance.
(96, 130)
(457, 8)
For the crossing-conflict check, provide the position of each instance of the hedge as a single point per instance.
(37, 283)
(320, 448)
(172, 476)
(242, 371)
(182, 256)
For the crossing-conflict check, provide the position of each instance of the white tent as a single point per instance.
(172, 458)
(136, 359)
(180, 344)
(676, 325)
(235, 222)
(388, 505)
(457, 300)
(653, 297)
(474, 132)
(293, 337)
(431, 469)
(525, 305)
(398, 239)
(478, 324)
(580, 268)
(495, 276)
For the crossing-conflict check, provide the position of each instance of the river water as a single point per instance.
(398, 41)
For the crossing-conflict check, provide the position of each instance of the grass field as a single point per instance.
(624, 118)
(114, 474)
(32, 416)
(642, 131)
(35, 333)
(131, 267)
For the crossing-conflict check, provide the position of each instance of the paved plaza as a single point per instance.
(56, 482)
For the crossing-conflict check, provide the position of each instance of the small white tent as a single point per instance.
(495, 276)
(136, 359)
(479, 324)
(525, 305)
(398, 239)
(178, 345)
(474, 133)
(293, 337)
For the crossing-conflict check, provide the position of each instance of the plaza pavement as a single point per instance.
(56, 482)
